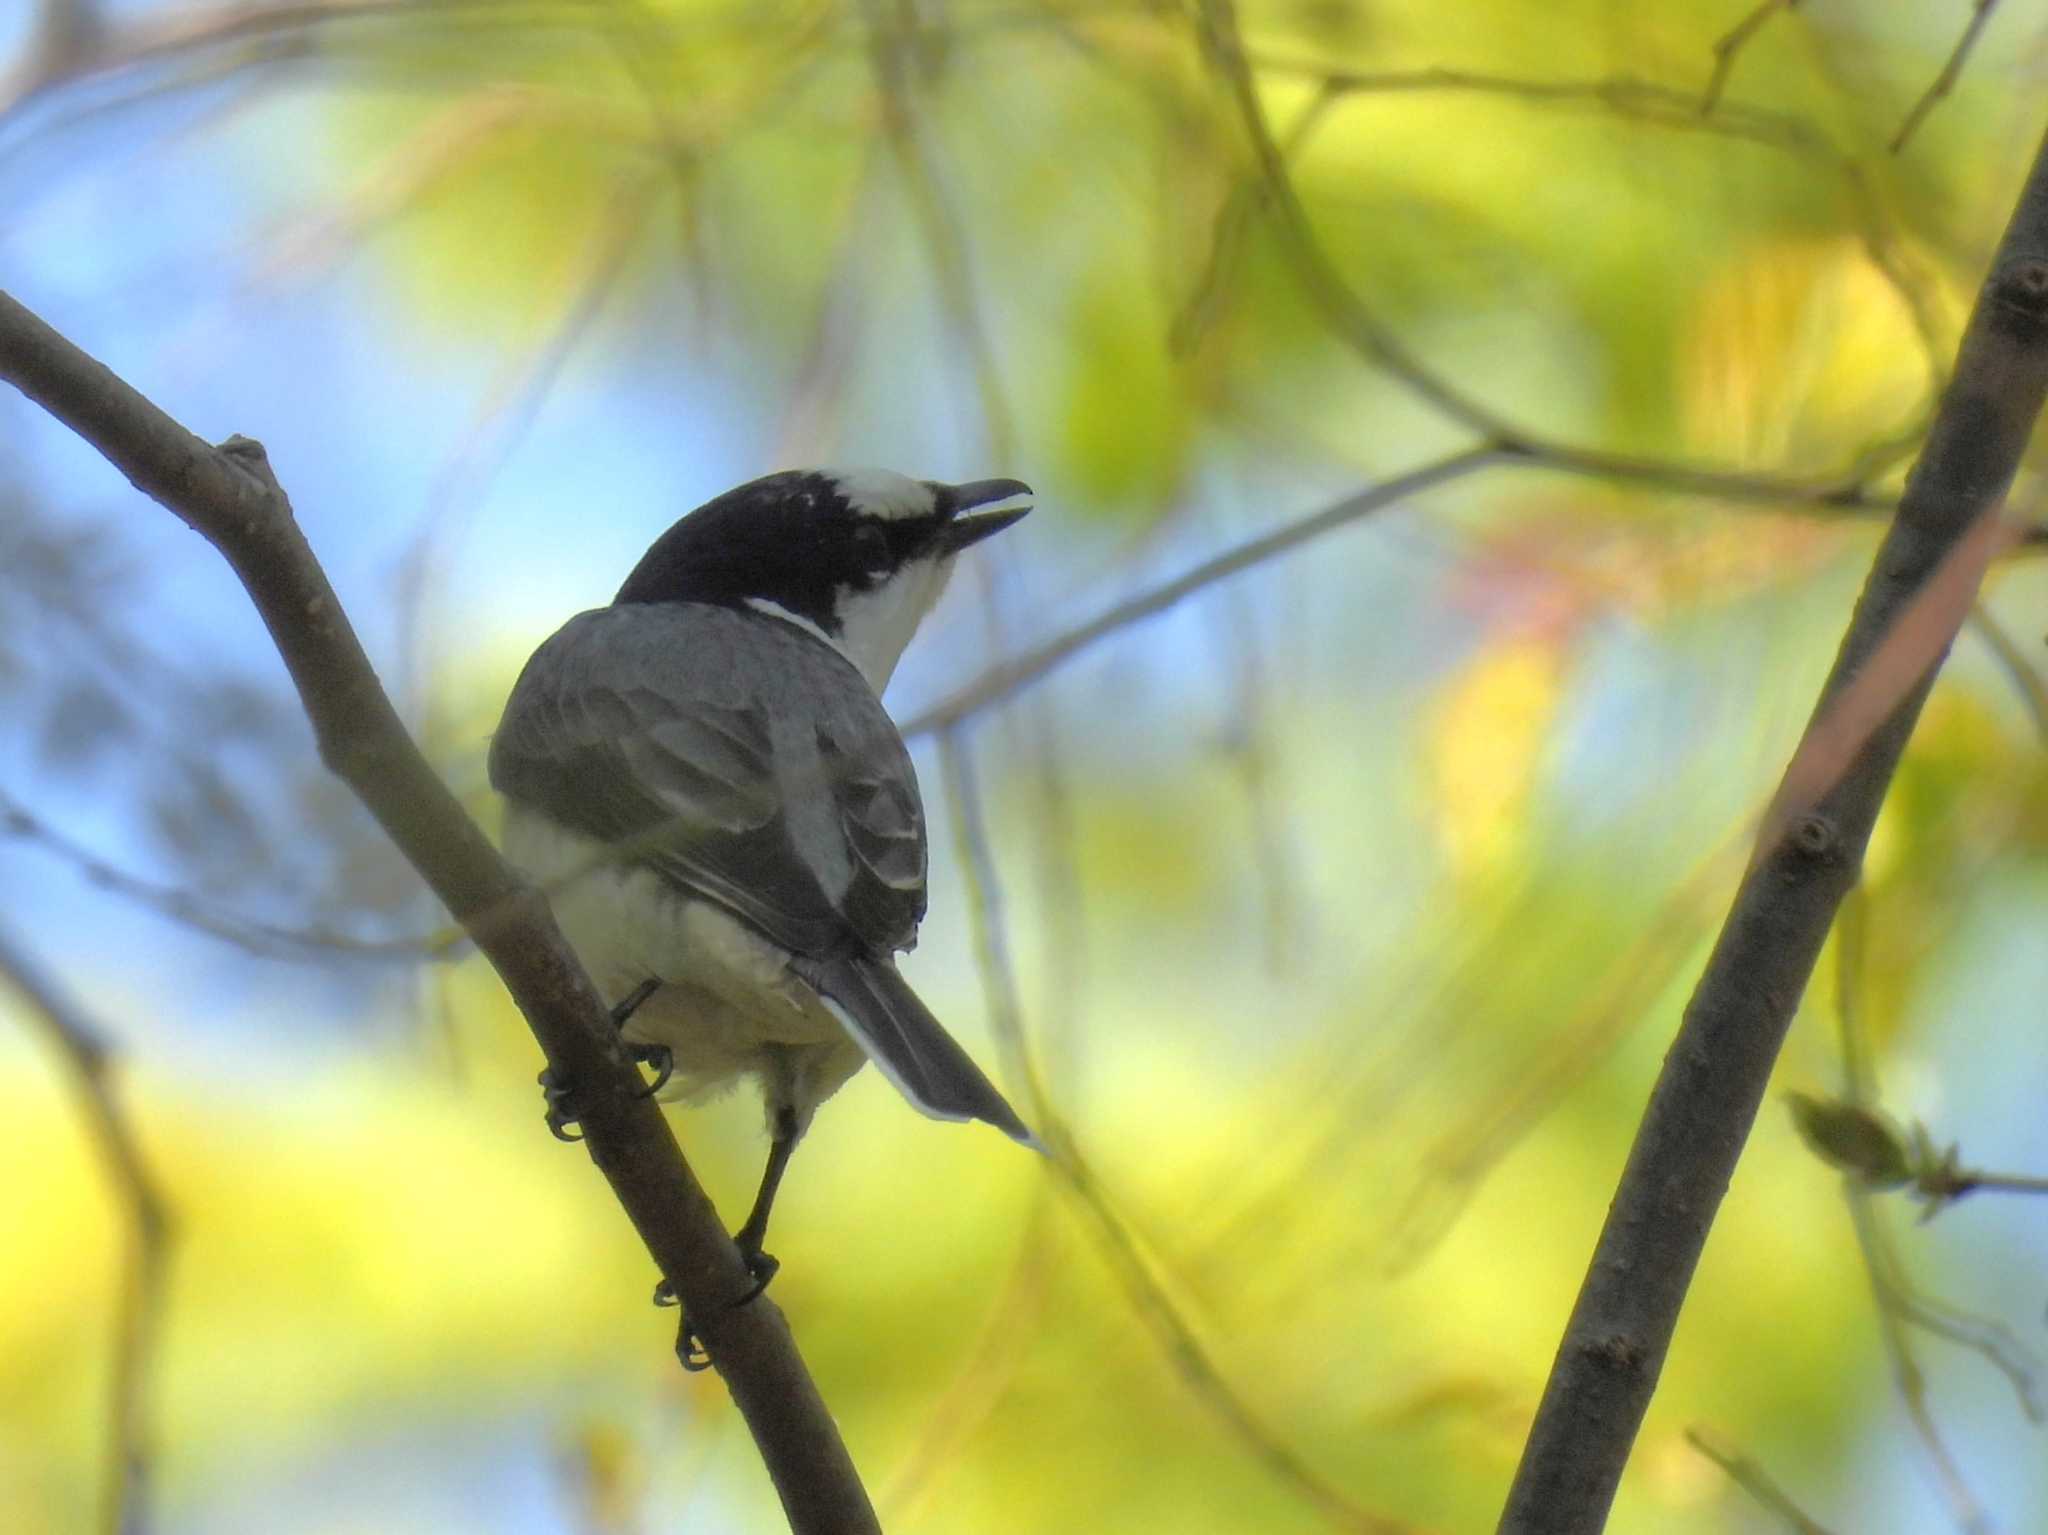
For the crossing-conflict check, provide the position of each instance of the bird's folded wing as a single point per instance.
(739, 758)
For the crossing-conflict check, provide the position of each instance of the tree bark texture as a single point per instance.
(1808, 857)
(229, 496)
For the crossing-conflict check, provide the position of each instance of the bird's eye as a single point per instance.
(872, 545)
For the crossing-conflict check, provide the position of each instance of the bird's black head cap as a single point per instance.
(803, 539)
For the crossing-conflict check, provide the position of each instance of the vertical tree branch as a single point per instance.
(229, 496)
(1808, 857)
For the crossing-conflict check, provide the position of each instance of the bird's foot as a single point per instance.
(661, 1058)
(560, 1093)
(689, 1346)
(560, 1096)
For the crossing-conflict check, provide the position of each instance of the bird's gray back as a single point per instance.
(739, 757)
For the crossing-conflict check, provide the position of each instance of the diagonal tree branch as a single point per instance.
(229, 496)
(1011, 676)
(1189, 1357)
(1808, 857)
(1951, 72)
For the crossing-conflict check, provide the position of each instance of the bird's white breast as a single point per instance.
(727, 992)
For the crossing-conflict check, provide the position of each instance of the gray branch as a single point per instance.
(229, 496)
(1808, 858)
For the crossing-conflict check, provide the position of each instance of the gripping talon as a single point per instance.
(661, 1058)
(690, 1349)
(561, 1111)
(764, 1268)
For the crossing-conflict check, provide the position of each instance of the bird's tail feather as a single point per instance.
(910, 1047)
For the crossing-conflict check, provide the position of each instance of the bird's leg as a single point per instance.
(751, 1235)
(560, 1095)
(660, 1057)
(689, 1347)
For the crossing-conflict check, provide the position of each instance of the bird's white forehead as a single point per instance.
(883, 492)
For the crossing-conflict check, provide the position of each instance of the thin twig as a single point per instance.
(1951, 72)
(1019, 672)
(188, 909)
(1665, 107)
(1994, 1342)
(1345, 313)
(1879, 1262)
(1730, 46)
(2026, 676)
(2006, 1183)
(139, 1315)
(230, 497)
(1895, 1296)
(502, 420)
(1148, 1297)
(1353, 321)
(985, 1374)
(1810, 856)
(1898, 1303)
(939, 221)
(1753, 1479)
(166, 35)
(1011, 676)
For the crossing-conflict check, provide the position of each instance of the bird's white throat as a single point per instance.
(875, 626)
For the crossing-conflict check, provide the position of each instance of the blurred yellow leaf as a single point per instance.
(1488, 729)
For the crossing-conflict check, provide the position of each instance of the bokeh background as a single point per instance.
(1339, 911)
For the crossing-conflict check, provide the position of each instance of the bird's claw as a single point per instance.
(690, 1348)
(561, 1113)
(661, 1058)
(763, 1266)
(560, 1094)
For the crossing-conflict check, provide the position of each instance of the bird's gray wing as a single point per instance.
(737, 757)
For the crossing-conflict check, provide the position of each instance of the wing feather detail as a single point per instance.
(740, 759)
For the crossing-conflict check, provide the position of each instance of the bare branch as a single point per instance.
(1352, 320)
(1730, 47)
(1346, 314)
(188, 909)
(1716, 1073)
(1184, 1350)
(140, 1313)
(1664, 107)
(990, 1366)
(1753, 1479)
(114, 44)
(1018, 673)
(2019, 666)
(1951, 72)
(230, 497)
(1893, 1311)
(503, 418)
(1006, 678)
(891, 49)
(1897, 1300)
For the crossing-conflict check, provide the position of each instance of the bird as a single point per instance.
(702, 778)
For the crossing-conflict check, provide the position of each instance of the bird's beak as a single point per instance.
(978, 509)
